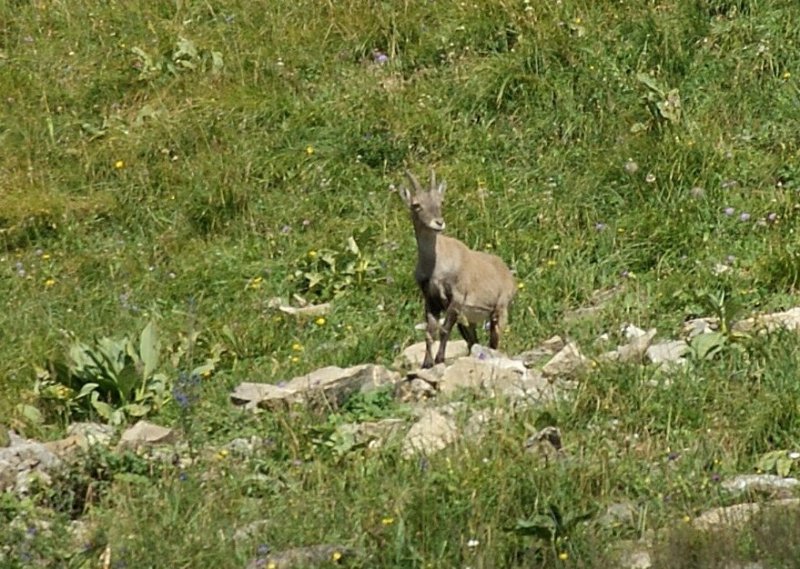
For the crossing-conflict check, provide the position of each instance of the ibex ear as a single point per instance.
(441, 187)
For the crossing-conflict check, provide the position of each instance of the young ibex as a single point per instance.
(468, 286)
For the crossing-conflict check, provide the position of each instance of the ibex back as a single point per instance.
(469, 286)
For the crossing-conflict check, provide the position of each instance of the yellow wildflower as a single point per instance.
(309, 150)
(119, 164)
(297, 347)
(45, 256)
(49, 282)
(320, 321)
(255, 283)
(786, 74)
(551, 262)
(520, 285)
(387, 521)
(687, 519)
(337, 555)
(312, 254)
(294, 359)
(563, 556)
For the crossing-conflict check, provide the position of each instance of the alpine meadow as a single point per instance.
(202, 199)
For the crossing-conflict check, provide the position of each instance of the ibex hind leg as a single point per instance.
(469, 333)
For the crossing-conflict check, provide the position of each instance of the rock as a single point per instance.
(737, 516)
(92, 434)
(251, 394)
(334, 385)
(769, 484)
(618, 515)
(414, 389)
(633, 555)
(631, 332)
(24, 460)
(303, 557)
(469, 373)
(546, 443)
(431, 433)
(497, 359)
(330, 385)
(633, 351)
(372, 434)
(789, 320)
(545, 350)
(309, 311)
(413, 356)
(566, 362)
(145, 433)
(697, 326)
(667, 353)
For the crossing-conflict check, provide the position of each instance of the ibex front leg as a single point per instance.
(450, 318)
(431, 333)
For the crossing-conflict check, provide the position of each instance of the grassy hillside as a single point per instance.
(189, 161)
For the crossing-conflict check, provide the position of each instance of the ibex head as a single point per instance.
(425, 205)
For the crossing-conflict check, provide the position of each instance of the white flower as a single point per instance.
(473, 543)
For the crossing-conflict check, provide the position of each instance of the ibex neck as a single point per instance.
(426, 245)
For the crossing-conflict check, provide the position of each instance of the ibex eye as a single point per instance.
(417, 206)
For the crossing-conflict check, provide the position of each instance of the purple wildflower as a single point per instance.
(631, 167)
(286, 229)
(379, 57)
(729, 211)
(744, 216)
(772, 217)
(599, 226)
(673, 456)
(716, 477)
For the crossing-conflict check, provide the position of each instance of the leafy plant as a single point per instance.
(780, 462)
(112, 378)
(330, 273)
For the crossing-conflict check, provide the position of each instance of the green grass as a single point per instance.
(146, 176)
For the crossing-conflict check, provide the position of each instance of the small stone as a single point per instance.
(312, 310)
(566, 362)
(430, 434)
(145, 433)
(667, 353)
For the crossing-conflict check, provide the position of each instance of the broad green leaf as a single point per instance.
(540, 526)
(30, 413)
(649, 82)
(103, 409)
(706, 346)
(217, 63)
(783, 465)
(136, 409)
(86, 390)
(149, 349)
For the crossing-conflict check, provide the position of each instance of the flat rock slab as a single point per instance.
(769, 484)
(145, 433)
(413, 356)
(789, 320)
(431, 433)
(330, 385)
(24, 459)
(736, 517)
